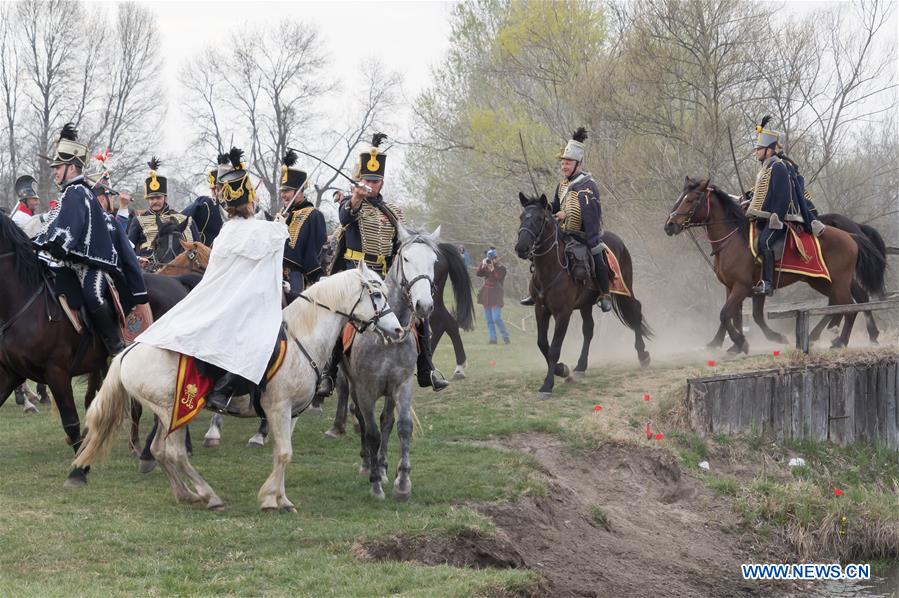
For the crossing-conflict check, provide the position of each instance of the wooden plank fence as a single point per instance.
(842, 403)
(803, 316)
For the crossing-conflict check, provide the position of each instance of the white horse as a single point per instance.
(147, 374)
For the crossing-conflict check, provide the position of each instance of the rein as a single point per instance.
(359, 324)
(689, 224)
(539, 241)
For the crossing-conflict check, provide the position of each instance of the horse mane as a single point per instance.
(733, 212)
(28, 266)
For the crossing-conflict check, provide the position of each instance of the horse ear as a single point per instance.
(703, 184)
(401, 233)
(687, 182)
(543, 201)
(363, 269)
(183, 226)
(436, 234)
(522, 199)
(185, 244)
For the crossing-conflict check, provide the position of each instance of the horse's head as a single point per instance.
(197, 254)
(166, 245)
(535, 221)
(371, 307)
(414, 268)
(688, 209)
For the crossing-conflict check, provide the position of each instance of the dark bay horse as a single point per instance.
(860, 293)
(38, 342)
(556, 292)
(847, 256)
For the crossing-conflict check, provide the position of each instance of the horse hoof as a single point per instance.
(252, 444)
(315, 409)
(401, 496)
(458, 375)
(334, 432)
(378, 493)
(269, 509)
(146, 466)
(645, 360)
(76, 479)
(562, 370)
(286, 510)
(734, 350)
(578, 374)
(216, 508)
(30, 409)
(544, 396)
(211, 443)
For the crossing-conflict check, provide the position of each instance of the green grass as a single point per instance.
(124, 533)
(599, 517)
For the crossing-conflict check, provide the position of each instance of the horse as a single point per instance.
(847, 256)
(450, 267)
(859, 293)
(313, 325)
(373, 370)
(557, 293)
(192, 260)
(38, 342)
(167, 244)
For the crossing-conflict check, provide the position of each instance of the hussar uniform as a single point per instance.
(25, 190)
(143, 230)
(306, 229)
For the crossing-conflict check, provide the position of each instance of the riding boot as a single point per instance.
(602, 278)
(426, 374)
(219, 399)
(327, 382)
(766, 284)
(106, 325)
(526, 300)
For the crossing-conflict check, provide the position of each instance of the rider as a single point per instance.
(205, 210)
(82, 248)
(232, 317)
(306, 226)
(776, 198)
(29, 201)
(142, 231)
(370, 235)
(576, 206)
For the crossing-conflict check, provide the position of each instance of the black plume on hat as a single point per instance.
(765, 120)
(154, 163)
(290, 158)
(235, 156)
(69, 132)
(222, 159)
(580, 134)
(377, 138)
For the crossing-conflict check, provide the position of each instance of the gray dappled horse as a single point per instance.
(375, 369)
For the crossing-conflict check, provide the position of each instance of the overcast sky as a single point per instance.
(407, 37)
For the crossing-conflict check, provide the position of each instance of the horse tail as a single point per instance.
(870, 266)
(875, 238)
(630, 313)
(458, 274)
(104, 415)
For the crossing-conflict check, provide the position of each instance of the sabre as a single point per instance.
(733, 155)
(337, 170)
(527, 164)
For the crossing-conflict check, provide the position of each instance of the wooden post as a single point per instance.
(802, 331)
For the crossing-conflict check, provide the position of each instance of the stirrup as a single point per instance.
(438, 380)
(526, 300)
(763, 288)
(325, 387)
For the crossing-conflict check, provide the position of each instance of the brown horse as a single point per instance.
(847, 256)
(557, 293)
(193, 260)
(38, 343)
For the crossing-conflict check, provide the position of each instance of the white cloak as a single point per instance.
(231, 319)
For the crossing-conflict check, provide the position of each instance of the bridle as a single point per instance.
(194, 265)
(689, 222)
(405, 284)
(358, 323)
(539, 239)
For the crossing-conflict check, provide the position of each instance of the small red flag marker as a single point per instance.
(646, 396)
(597, 408)
(837, 492)
(776, 353)
(660, 436)
(493, 362)
(711, 363)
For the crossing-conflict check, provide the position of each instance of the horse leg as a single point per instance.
(8, 383)
(258, 439)
(402, 486)
(554, 366)
(860, 295)
(728, 313)
(843, 296)
(272, 495)
(632, 313)
(60, 383)
(826, 322)
(587, 331)
(42, 393)
(365, 406)
(452, 329)
(758, 316)
(164, 451)
(718, 340)
(147, 461)
(214, 433)
(388, 417)
(338, 428)
(22, 394)
(134, 436)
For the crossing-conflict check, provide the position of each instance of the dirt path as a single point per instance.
(668, 535)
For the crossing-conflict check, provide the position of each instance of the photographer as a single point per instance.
(491, 294)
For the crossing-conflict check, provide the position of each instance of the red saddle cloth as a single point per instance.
(616, 280)
(191, 386)
(801, 255)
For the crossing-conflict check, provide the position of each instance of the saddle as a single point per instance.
(799, 252)
(580, 265)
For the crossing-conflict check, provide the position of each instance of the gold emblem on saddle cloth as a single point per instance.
(298, 218)
(190, 396)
